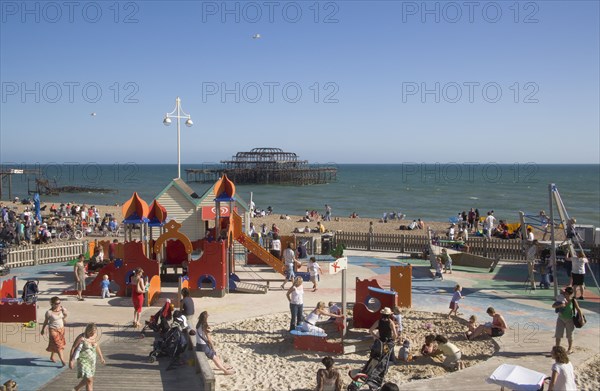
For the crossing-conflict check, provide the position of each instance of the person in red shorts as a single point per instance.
(137, 295)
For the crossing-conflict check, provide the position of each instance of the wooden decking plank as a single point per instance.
(127, 366)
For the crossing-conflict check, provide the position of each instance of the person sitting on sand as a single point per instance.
(420, 224)
(427, 348)
(471, 326)
(413, 225)
(328, 379)
(496, 328)
(309, 323)
(320, 228)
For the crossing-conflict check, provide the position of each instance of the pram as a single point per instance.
(159, 322)
(173, 343)
(30, 291)
(374, 371)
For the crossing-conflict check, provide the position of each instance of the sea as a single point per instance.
(432, 191)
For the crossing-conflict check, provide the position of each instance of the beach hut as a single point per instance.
(195, 213)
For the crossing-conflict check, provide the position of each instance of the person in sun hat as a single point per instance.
(386, 330)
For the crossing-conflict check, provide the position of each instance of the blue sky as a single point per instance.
(515, 81)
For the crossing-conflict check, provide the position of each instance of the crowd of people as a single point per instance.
(29, 227)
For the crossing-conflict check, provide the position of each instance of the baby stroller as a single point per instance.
(30, 291)
(159, 322)
(374, 371)
(173, 343)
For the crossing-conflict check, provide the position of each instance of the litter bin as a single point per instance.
(326, 244)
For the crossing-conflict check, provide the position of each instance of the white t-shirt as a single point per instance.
(288, 255)
(297, 295)
(313, 268)
(565, 381)
(490, 221)
(578, 265)
(276, 245)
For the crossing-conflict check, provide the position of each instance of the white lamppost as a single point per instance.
(179, 114)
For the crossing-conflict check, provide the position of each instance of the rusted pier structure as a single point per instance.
(267, 166)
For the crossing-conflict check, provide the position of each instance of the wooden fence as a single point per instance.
(39, 254)
(494, 248)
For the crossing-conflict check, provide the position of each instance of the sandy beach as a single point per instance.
(288, 226)
(256, 346)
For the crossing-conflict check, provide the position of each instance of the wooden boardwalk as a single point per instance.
(127, 366)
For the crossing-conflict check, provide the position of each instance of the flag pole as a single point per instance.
(344, 304)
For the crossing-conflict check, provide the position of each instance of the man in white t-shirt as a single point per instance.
(488, 224)
(289, 260)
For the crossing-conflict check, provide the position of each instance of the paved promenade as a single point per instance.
(527, 343)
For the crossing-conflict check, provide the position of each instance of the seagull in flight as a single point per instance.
(93, 114)
(256, 36)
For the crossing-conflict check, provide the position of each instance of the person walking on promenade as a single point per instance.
(315, 272)
(455, 299)
(55, 320)
(84, 351)
(565, 306)
(289, 260)
(79, 271)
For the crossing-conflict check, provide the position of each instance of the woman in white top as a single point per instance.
(295, 296)
(309, 324)
(563, 375)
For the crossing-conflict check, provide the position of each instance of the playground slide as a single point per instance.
(254, 247)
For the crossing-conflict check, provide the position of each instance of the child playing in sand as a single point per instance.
(314, 270)
(451, 353)
(427, 349)
(471, 326)
(404, 353)
(105, 283)
(398, 320)
(455, 299)
(438, 269)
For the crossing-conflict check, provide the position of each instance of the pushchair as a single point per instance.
(173, 343)
(159, 322)
(30, 291)
(374, 371)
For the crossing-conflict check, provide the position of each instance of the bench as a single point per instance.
(203, 368)
(268, 281)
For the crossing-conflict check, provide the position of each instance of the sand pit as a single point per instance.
(262, 352)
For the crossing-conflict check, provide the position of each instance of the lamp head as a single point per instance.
(189, 122)
(167, 121)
